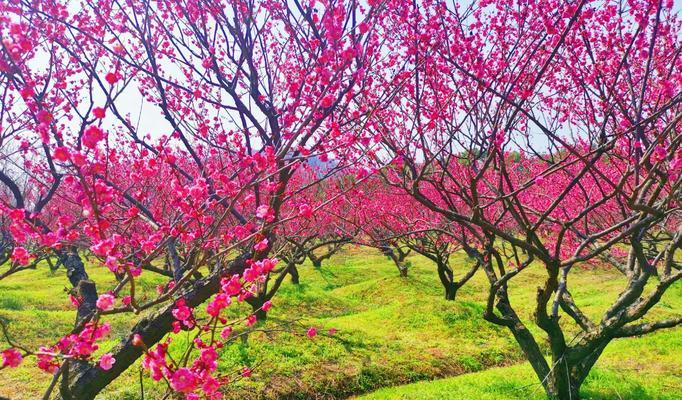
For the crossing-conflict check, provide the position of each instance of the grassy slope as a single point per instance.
(512, 383)
(391, 331)
(35, 303)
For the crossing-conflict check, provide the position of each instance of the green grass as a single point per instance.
(392, 331)
(518, 383)
(36, 306)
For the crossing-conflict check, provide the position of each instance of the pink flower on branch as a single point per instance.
(305, 211)
(92, 136)
(105, 301)
(106, 362)
(184, 380)
(11, 358)
(261, 246)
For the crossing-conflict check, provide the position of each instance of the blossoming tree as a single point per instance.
(172, 138)
(234, 97)
(549, 129)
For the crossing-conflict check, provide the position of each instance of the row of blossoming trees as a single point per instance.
(221, 143)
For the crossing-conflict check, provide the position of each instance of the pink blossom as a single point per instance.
(61, 153)
(106, 362)
(211, 386)
(305, 211)
(220, 302)
(137, 340)
(17, 214)
(266, 306)
(659, 154)
(155, 362)
(327, 101)
(105, 301)
(231, 286)
(251, 274)
(98, 112)
(21, 255)
(78, 158)
(183, 380)
(240, 232)
(112, 264)
(92, 136)
(11, 358)
(226, 332)
(47, 362)
(262, 245)
(112, 77)
(361, 173)
(209, 357)
(181, 312)
(44, 116)
(268, 264)
(312, 332)
(262, 211)
(74, 300)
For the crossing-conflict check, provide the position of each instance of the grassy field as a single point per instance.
(391, 331)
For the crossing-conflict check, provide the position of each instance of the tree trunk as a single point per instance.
(402, 255)
(293, 271)
(86, 381)
(451, 292)
(398, 260)
(260, 314)
(562, 383)
(447, 279)
(523, 337)
(84, 288)
(570, 371)
(256, 303)
(317, 263)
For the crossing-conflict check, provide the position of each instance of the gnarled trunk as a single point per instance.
(293, 272)
(84, 289)
(317, 262)
(570, 364)
(572, 367)
(451, 292)
(85, 381)
(447, 278)
(267, 293)
(398, 259)
(562, 384)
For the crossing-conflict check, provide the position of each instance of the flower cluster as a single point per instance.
(79, 346)
(197, 376)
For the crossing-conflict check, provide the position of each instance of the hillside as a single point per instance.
(390, 331)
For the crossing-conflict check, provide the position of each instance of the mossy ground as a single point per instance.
(391, 331)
